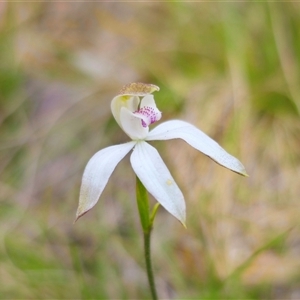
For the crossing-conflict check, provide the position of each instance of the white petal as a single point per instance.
(132, 125)
(196, 138)
(130, 102)
(148, 101)
(97, 173)
(155, 176)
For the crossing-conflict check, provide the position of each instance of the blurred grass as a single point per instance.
(232, 69)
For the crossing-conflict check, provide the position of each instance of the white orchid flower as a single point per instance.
(134, 110)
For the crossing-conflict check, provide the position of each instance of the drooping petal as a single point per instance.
(132, 125)
(97, 173)
(155, 176)
(120, 101)
(196, 138)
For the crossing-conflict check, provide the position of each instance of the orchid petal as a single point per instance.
(155, 176)
(97, 173)
(199, 140)
(132, 124)
(148, 100)
(128, 101)
(149, 109)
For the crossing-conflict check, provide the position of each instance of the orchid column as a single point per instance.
(134, 110)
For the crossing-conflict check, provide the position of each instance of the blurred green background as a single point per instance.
(231, 69)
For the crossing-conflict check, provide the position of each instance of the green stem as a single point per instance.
(147, 249)
(147, 223)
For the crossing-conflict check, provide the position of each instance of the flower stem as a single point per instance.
(147, 224)
(147, 249)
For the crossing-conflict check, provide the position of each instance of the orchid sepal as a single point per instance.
(176, 129)
(155, 176)
(96, 175)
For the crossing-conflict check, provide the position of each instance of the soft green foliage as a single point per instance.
(231, 69)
